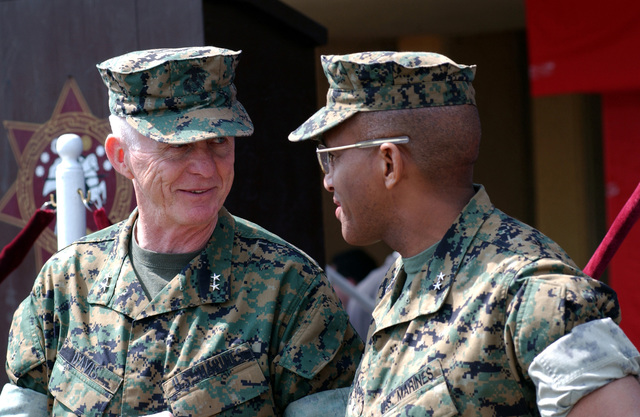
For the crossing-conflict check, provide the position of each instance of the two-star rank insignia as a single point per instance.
(438, 284)
(214, 282)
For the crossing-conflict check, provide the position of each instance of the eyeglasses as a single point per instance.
(326, 159)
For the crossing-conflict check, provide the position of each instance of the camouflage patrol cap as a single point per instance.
(372, 81)
(177, 95)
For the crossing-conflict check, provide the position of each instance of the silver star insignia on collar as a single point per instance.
(214, 283)
(438, 284)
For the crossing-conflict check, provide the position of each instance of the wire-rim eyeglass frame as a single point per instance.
(325, 159)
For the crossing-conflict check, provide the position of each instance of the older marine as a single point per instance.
(182, 308)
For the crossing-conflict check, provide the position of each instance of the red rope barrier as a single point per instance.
(14, 253)
(101, 219)
(613, 239)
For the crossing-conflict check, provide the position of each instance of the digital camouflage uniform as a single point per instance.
(495, 294)
(248, 326)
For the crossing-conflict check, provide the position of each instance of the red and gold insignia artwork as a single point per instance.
(34, 147)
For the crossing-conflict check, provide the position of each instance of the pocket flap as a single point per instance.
(80, 383)
(216, 384)
(423, 394)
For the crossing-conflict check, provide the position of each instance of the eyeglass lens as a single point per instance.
(324, 159)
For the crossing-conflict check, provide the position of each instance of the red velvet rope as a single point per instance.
(613, 239)
(14, 253)
(101, 219)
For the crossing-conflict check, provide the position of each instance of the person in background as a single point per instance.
(359, 316)
(182, 308)
(481, 315)
(353, 265)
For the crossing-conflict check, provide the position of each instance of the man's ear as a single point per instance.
(393, 164)
(115, 148)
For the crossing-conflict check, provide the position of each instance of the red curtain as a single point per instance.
(592, 47)
(621, 148)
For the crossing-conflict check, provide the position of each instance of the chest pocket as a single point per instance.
(81, 384)
(423, 394)
(216, 384)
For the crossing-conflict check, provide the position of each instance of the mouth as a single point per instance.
(198, 191)
(338, 210)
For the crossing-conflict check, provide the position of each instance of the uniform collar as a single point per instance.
(206, 280)
(430, 288)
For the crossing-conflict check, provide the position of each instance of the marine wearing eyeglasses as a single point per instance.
(481, 315)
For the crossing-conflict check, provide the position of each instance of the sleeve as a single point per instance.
(592, 355)
(550, 299)
(321, 404)
(25, 350)
(22, 402)
(320, 349)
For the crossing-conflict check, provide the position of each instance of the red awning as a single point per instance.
(583, 46)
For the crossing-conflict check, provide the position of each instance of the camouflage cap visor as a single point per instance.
(179, 127)
(322, 121)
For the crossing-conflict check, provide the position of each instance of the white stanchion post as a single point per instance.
(71, 215)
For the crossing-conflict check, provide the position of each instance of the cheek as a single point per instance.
(349, 182)
(230, 177)
(153, 174)
(225, 169)
(358, 192)
(144, 170)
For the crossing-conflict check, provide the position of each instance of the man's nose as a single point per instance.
(201, 160)
(327, 181)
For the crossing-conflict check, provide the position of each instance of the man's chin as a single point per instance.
(202, 216)
(355, 240)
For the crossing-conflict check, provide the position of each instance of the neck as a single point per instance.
(160, 239)
(425, 219)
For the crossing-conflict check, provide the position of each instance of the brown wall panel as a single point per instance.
(276, 182)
